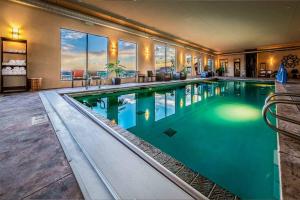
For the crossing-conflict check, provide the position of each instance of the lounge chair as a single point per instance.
(163, 74)
(206, 74)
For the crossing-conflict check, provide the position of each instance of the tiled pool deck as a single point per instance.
(289, 148)
(33, 165)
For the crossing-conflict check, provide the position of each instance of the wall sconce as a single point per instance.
(15, 33)
(113, 47)
(271, 61)
(147, 53)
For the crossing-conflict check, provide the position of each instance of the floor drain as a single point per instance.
(39, 119)
(170, 132)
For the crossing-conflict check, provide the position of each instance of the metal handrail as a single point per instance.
(281, 94)
(266, 108)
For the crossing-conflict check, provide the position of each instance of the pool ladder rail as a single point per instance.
(270, 101)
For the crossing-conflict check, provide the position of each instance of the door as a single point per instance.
(237, 68)
(251, 59)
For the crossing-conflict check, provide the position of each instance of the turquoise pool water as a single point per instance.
(215, 128)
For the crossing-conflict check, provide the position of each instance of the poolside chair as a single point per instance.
(95, 75)
(140, 76)
(78, 75)
(151, 75)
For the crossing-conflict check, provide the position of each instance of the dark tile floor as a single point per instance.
(33, 164)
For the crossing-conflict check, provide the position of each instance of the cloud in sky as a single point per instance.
(67, 47)
(72, 35)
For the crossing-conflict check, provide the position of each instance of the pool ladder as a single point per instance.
(271, 101)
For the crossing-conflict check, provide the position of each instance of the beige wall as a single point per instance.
(42, 30)
(230, 68)
(273, 59)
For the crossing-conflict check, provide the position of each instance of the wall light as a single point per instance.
(15, 33)
(271, 61)
(113, 47)
(147, 52)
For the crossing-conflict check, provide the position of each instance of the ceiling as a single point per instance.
(222, 26)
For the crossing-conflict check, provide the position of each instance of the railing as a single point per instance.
(271, 101)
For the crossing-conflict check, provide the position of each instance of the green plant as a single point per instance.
(173, 67)
(206, 67)
(184, 71)
(115, 68)
(220, 70)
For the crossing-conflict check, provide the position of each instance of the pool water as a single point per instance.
(215, 128)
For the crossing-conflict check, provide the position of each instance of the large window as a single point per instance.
(97, 55)
(82, 51)
(160, 56)
(171, 57)
(210, 64)
(188, 63)
(165, 56)
(198, 65)
(127, 56)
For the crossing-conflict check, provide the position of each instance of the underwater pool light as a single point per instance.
(237, 112)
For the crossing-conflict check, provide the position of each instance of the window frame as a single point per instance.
(166, 46)
(86, 48)
(136, 54)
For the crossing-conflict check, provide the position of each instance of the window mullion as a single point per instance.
(87, 54)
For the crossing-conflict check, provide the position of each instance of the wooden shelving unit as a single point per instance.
(18, 55)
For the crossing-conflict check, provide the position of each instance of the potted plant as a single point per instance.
(117, 69)
(183, 73)
(206, 67)
(220, 71)
(294, 73)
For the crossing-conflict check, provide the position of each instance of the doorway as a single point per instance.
(237, 67)
(251, 59)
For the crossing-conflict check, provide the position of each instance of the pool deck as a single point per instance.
(289, 148)
(34, 166)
